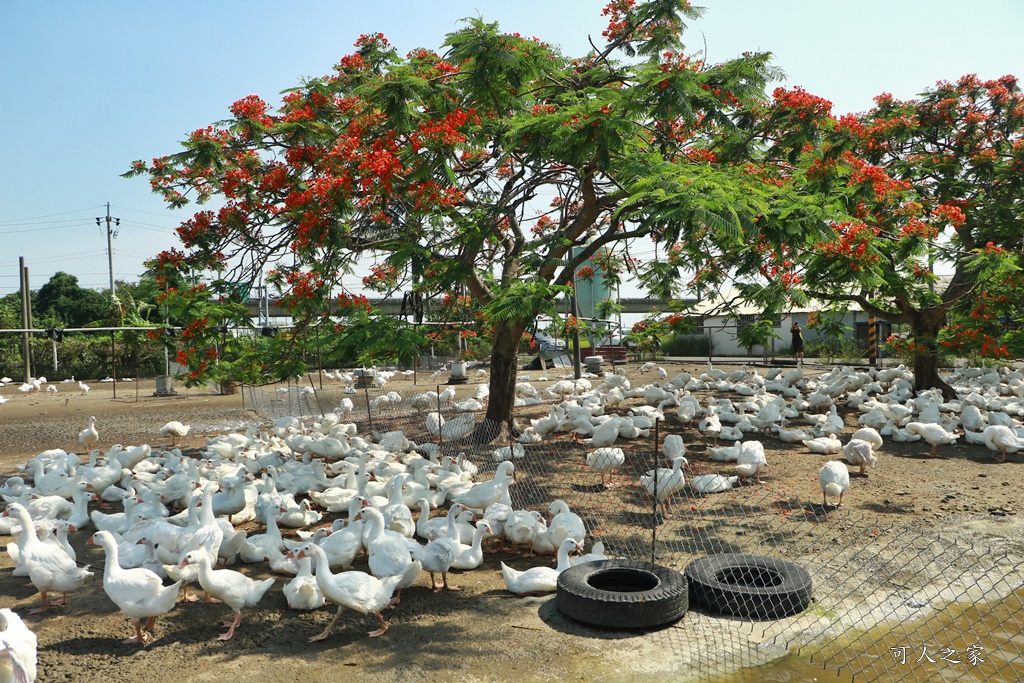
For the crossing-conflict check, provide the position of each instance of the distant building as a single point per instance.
(723, 330)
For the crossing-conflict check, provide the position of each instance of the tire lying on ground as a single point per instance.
(622, 594)
(751, 586)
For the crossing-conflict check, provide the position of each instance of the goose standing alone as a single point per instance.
(89, 437)
(176, 430)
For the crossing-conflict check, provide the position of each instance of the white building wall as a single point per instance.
(723, 331)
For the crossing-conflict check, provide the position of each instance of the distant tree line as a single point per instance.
(62, 304)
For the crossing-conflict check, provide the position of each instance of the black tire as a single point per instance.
(622, 594)
(749, 586)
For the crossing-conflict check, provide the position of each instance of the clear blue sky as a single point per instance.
(91, 86)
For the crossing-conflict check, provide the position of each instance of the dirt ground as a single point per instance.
(482, 633)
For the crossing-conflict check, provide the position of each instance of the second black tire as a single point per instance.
(750, 586)
(622, 594)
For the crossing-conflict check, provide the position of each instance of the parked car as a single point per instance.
(545, 342)
(616, 339)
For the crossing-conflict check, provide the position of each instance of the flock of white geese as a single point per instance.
(175, 518)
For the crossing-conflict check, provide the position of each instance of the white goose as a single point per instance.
(472, 556)
(565, 524)
(49, 567)
(257, 547)
(1002, 439)
(137, 592)
(388, 554)
(859, 452)
(539, 580)
(89, 437)
(302, 593)
(353, 589)
(17, 649)
(834, 479)
(710, 425)
(596, 554)
(665, 484)
(521, 526)
(933, 433)
(605, 461)
(115, 521)
(712, 483)
(176, 430)
(234, 589)
(751, 460)
(56, 482)
(724, 453)
(437, 557)
(824, 445)
(870, 435)
(342, 545)
(489, 492)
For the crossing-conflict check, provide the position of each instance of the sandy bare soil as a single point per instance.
(482, 633)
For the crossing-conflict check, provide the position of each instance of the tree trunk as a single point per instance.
(507, 336)
(925, 331)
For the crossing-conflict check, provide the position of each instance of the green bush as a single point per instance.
(843, 349)
(686, 345)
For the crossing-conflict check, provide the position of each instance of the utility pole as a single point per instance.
(26, 317)
(111, 233)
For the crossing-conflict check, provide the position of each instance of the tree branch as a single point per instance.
(904, 316)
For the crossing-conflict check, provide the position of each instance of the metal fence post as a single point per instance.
(113, 361)
(316, 396)
(654, 518)
(440, 419)
(369, 414)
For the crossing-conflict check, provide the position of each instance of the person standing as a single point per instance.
(798, 342)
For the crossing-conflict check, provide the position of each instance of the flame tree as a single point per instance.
(935, 182)
(481, 166)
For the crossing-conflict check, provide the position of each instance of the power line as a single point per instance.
(19, 221)
(151, 213)
(149, 227)
(58, 227)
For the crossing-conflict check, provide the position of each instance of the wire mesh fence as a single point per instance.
(892, 599)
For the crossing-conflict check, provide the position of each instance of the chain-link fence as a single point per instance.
(893, 600)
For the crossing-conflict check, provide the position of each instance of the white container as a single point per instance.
(364, 377)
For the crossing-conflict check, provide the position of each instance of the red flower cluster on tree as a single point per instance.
(617, 12)
(852, 240)
(381, 278)
(803, 103)
(251, 108)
